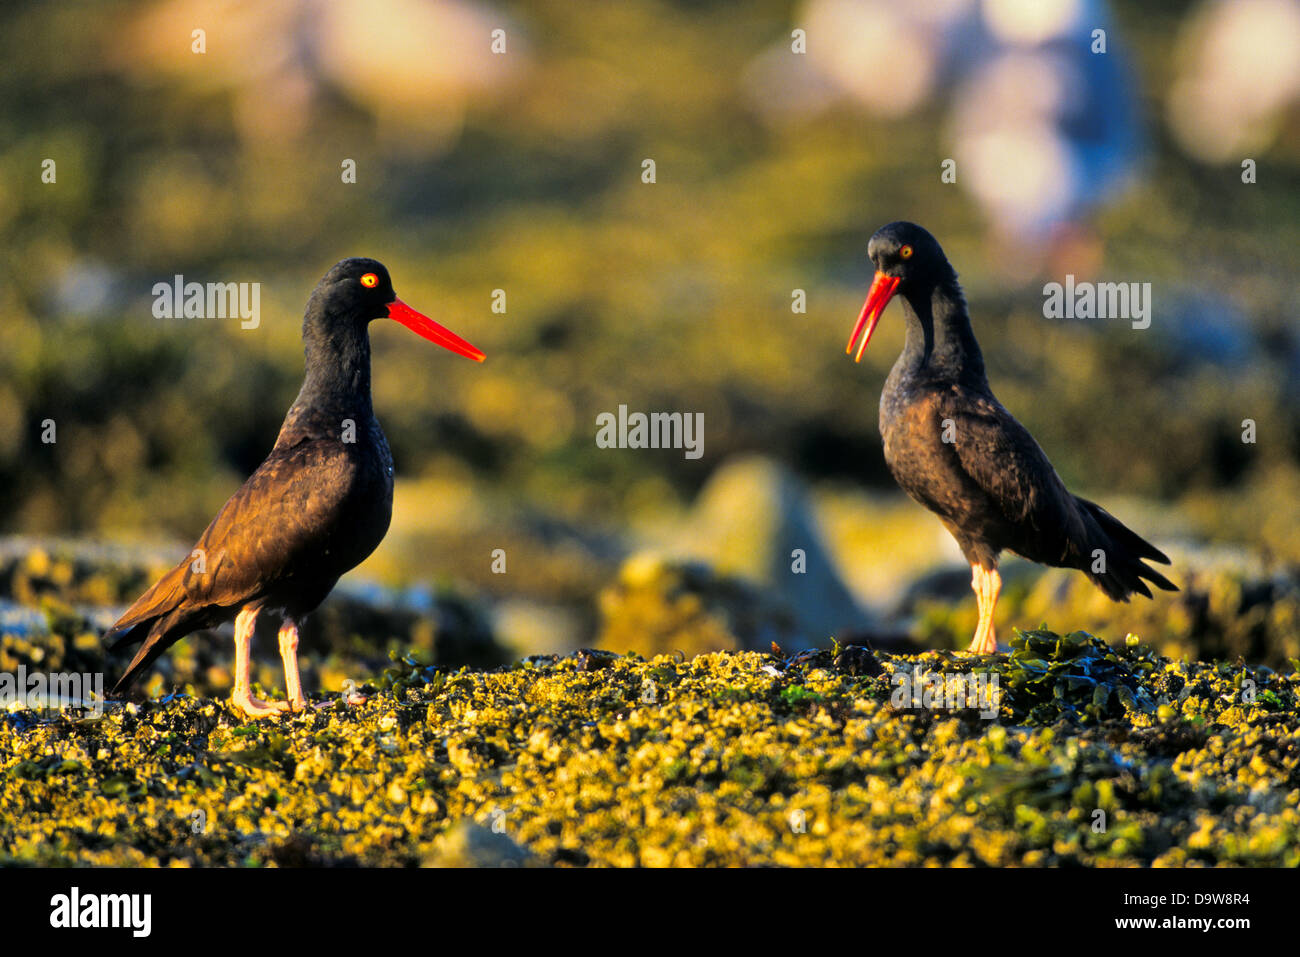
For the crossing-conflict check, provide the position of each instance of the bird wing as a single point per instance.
(277, 519)
(1045, 521)
(1002, 459)
(283, 518)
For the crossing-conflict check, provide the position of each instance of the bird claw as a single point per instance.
(257, 708)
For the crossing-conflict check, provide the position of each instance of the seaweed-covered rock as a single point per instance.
(730, 758)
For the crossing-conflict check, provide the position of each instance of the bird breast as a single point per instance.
(921, 461)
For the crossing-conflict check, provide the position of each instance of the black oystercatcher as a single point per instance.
(952, 446)
(317, 506)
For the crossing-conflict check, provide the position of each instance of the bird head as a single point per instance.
(361, 289)
(907, 260)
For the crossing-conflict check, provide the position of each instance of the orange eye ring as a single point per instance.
(905, 252)
(370, 280)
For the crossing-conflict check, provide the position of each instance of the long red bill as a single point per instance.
(423, 326)
(882, 290)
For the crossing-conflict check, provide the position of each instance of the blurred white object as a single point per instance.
(897, 45)
(415, 64)
(1041, 128)
(1239, 69)
(1031, 21)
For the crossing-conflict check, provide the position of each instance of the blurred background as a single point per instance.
(522, 171)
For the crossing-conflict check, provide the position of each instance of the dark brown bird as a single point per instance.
(952, 446)
(318, 505)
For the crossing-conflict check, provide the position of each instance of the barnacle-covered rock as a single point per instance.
(1093, 755)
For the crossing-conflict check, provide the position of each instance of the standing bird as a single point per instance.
(952, 446)
(318, 505)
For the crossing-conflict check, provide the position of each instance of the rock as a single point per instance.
(451, 629)
(468, 844)
(529, 627)
(753, 521)
(661, 606)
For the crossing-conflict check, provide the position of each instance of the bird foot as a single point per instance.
(256, 707)
(985, 641)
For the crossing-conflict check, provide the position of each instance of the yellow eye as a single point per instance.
(370, 280)
(905, 252)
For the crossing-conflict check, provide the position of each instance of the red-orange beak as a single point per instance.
(423, 326)
(882, 290)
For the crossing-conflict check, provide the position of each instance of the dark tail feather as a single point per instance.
(162, 635)
(1126, 554)
(124, 636)
(152, 620)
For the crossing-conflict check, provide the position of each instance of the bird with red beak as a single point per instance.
(316, 507)
(954, 448)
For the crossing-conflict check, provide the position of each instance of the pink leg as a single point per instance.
(986, 583)
(289, 655)
(995, 588)
(242, 698)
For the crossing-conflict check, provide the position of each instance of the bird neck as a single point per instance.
(940, 342)
(338, 367)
